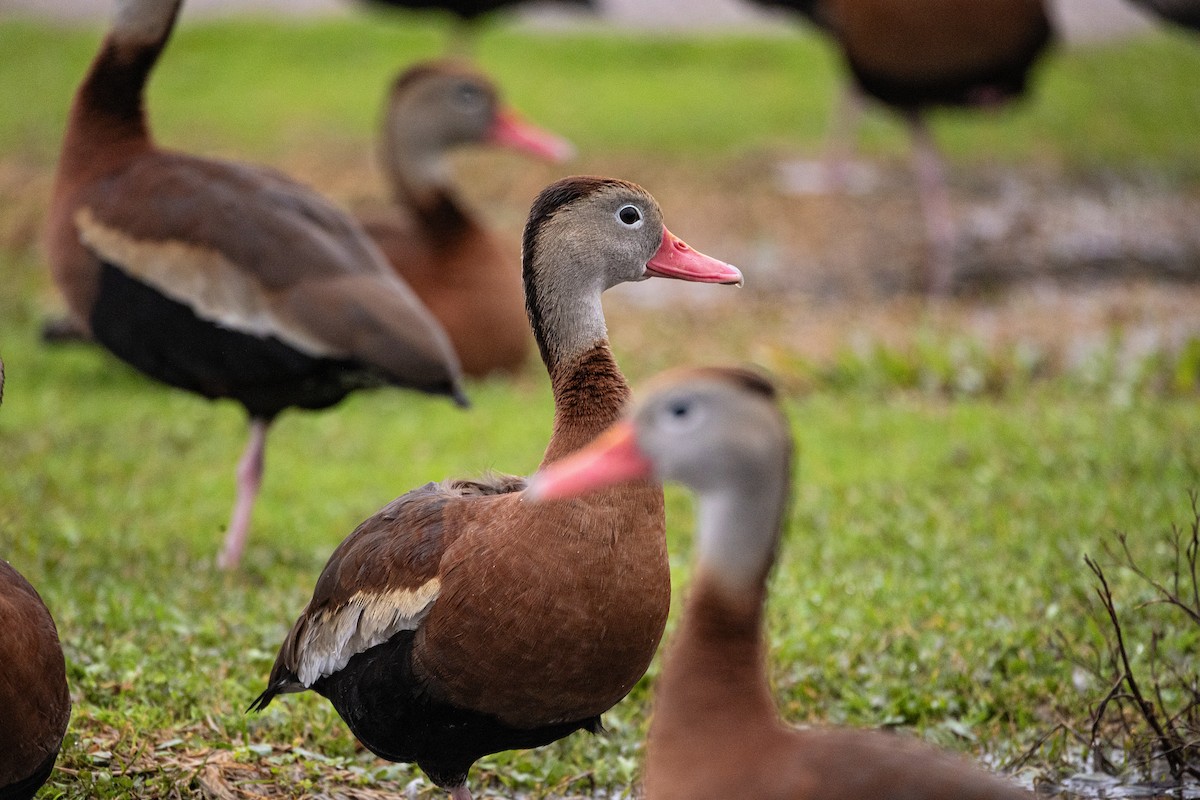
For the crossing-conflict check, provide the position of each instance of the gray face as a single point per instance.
(712, 435)
(607, 236)
(446, 109)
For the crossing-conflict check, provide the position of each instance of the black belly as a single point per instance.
(26, 788)
(381, 701)
(997, 82)
(468, 9)
(166, 340)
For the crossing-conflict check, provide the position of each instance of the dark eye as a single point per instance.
(630, 215)
(469, 96)
(681, 416)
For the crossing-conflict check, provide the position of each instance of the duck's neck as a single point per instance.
(107, 120)
(563, 303)
(715, 675)
(420, 180)
(589, 394)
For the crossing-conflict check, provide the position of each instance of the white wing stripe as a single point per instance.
(365, 620)
(199, 277)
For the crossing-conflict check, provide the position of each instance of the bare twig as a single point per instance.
(1019, 761)
(1167, 745)
(1101, 707)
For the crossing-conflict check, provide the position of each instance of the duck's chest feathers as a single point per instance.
(570, 614)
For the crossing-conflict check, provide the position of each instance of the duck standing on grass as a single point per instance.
(715, 733)
(452, 262)
(223, 279)
(1181, 12)
(461, 620)
(915, 55)
(468, 14)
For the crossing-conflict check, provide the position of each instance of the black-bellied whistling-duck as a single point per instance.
(35, 704)
(1181, 12)
(916, 54)
(468, 12)
(461, 620)
(715, 733)
(470, 9)
(816, 11)
(456, 267)
(223, 279)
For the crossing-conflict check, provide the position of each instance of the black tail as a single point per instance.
(264, 699)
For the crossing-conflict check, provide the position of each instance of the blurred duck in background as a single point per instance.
(470, 283)
(461, 620)
(223, 279)
(35, 703)
(815, 11)
(715, 733)
(469, 13)
(1181, 12)
(913, 55)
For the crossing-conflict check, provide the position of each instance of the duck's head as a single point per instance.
(436, 106)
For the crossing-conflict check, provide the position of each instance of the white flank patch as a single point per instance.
(366, 620)
(201, 278)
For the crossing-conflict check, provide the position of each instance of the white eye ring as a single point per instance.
(630, 216)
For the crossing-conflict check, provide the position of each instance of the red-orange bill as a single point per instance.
(675, 259)
(613, 458)
(509, 130)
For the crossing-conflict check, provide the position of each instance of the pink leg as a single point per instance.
(836, 172)
(249, 479)
(935, 207)
(460, 793)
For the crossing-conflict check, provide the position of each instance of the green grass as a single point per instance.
(935, 548)
(253, 87)
(937, 536)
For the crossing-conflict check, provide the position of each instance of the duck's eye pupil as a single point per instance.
(679, 410)
(629, 215)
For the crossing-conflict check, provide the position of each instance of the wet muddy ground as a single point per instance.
(1059, 262)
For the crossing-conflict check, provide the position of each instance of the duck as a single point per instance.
(468, 13)
(453, 263)
(715, 732)
(33, 684)
(815, 11)
(1180, 12)
(915, 55)
(469, 10)
(460, 620)
(223, 279)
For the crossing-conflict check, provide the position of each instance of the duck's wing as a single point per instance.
(382, 579)
(252, 251)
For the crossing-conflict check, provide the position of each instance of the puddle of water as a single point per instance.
(1098, 786)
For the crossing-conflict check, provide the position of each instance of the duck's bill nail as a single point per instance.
(675, 259)
(509, 130)
(613, 458)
